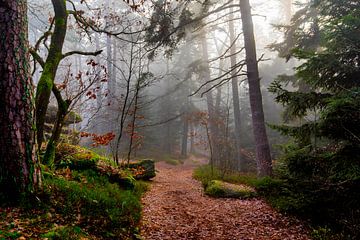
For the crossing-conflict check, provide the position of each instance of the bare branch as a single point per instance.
(81, 53)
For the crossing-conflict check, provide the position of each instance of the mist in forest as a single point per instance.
(152, 100)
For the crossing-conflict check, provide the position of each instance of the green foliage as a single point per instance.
(9, 235)
(321, 173)
(65, 233)
(321, 233)
(205, 174)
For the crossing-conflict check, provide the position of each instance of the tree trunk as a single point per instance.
(109, 65)
(63, 110)
(52, 62)
(213, 133)
(192, 139)
(263, 157)
(235, 94)
(184, 141)
(19, 166)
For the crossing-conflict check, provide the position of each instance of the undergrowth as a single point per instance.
(76, 204)
(97, 206)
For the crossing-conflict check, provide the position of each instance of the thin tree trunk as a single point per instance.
(63, 109)
(210, 102)
(98, 69)
(19, 166)
(235, 94)
(133, 121)
(192, 139)
(184, 141)
(109, 65)
(50, 67)
(263, 157)
(114, 70)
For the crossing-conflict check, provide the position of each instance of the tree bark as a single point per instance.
(19, 167)
(50, 67)
(235, 94)
(263, 157)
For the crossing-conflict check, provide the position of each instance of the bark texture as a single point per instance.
(263, 157)
(19, 168)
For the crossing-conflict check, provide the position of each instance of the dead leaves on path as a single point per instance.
(176, 208)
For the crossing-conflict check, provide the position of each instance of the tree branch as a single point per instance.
(81, 53)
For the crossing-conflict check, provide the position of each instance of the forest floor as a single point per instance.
(177, 208)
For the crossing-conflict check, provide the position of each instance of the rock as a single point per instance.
(143, 169)
(217, 188)
(78, 158)
(71, 118)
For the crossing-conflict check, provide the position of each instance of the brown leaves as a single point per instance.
(99, 139)
(176, 208)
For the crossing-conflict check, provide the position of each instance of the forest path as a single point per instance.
(176, 208)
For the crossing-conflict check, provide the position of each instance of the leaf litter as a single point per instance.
(177, 208)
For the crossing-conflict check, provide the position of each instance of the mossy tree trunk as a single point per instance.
(263, 157)
(50, 67)
(19, 167)
(63, 110)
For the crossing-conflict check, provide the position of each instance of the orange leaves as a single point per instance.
(137, 171)
(99, 139)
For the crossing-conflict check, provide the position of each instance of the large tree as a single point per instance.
(19, 166)
(263, 156)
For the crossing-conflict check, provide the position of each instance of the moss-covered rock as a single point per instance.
(78, 158)
(143, 169)
(75, 157)
(217, 188)
(71, 118)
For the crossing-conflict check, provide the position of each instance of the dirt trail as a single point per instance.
(176, 208)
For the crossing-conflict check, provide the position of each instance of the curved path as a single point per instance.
(176, 208)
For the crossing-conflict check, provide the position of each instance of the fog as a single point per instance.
(147, 89)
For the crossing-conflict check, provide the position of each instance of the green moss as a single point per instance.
(113, 209)
(75, 157)
(216, 188)
(45, 83)
(49, 156)
(60, 21)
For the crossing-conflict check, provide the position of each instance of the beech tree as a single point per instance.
(19, 166)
